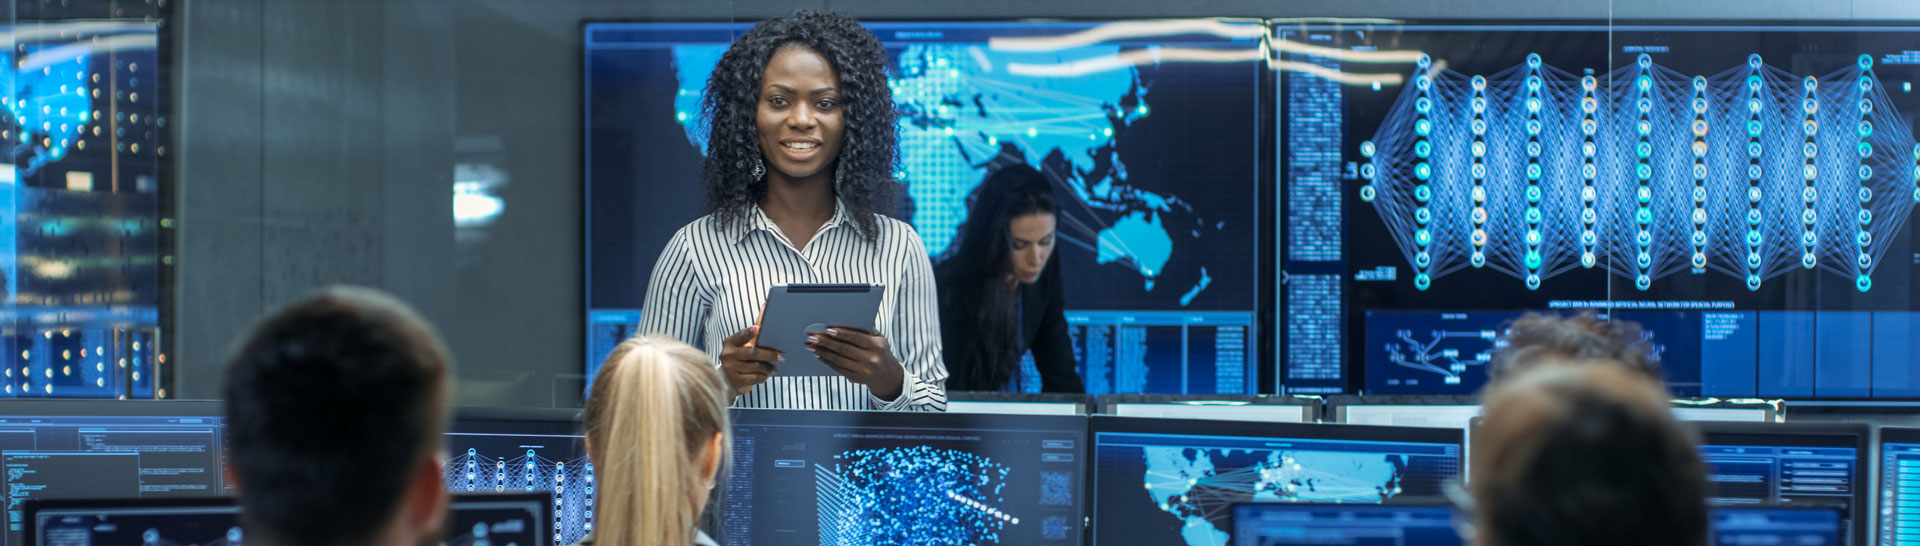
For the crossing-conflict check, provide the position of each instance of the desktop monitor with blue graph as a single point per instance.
(494, 450)
(472, 520)
(853, 478)
(1174, 481)
(1150, 131)
(1820, 465)
(1740, 190)
(67, 449)
(1899, 486)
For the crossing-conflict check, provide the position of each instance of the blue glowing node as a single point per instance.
(1808, 261)
(1422, 193)
(1479, 259)
(1367, 193)
(1863, 283)
(1753, 239)
(1533, 173)
(1866, 61)
(1642, 282)
(1865, 194)
(1864, 239)
(1423, 127)
(1865, 260)
(1422, 281)
(1422, 215)
(1865, 216)
(1753, 61)
(1422, 259)
(1865, 129)
(1424, 60)
(1753, 260)
(1643, 171)
(1533, 60)
(1423, 237)
(1422, 149)
(1753, 282)
(1533, 282)
(1587, 260)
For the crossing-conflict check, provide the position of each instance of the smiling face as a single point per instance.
(1032, 243)
(800, 114)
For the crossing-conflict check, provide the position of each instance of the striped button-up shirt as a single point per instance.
(712, 280)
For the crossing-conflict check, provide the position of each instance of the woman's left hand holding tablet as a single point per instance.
(863, 357)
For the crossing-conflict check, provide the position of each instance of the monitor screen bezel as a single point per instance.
(1850, 435)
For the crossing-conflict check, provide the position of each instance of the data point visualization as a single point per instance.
(1150, 132)
(1746, 191)
(1170, 481)
(879, 478)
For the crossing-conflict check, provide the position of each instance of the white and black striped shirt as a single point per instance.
(712, 280)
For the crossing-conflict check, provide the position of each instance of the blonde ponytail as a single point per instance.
(655, 407)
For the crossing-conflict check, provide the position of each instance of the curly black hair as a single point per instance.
(864, 180)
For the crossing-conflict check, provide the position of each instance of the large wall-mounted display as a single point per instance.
(1742, 191)
(82, 188)
(1152, 129)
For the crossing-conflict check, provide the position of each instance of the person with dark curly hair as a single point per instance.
(1000, 288)
(799, 174)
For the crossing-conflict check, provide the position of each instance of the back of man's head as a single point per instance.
(1586, 454)
(1583, 338)
(335, 406)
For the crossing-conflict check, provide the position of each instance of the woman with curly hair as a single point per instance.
(1000, 288)
(799, 174)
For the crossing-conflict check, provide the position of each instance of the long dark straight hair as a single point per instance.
(977, 313)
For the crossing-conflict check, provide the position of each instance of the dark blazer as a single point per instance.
(1043, 330)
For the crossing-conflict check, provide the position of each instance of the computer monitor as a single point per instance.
(498, 450)
(1154, 153)
(1800, 526)
(920, 478)
(492, 518)
(1744, 191)
(1790, 464)
(1300, 524)
(1899, 486)
(64, 449)
(1172, 481)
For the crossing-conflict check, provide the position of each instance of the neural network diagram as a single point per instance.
(916, 495)
(1644, 172)
(570, 481)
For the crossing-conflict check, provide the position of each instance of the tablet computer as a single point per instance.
(795, 311)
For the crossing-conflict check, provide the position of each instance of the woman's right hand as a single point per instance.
(745, 365)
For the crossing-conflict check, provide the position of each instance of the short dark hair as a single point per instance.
(1585, 337)
(332, 403)
(1586, 455)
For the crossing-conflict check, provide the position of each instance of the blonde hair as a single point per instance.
(655, 406)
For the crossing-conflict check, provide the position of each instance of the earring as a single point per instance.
(759, 169)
